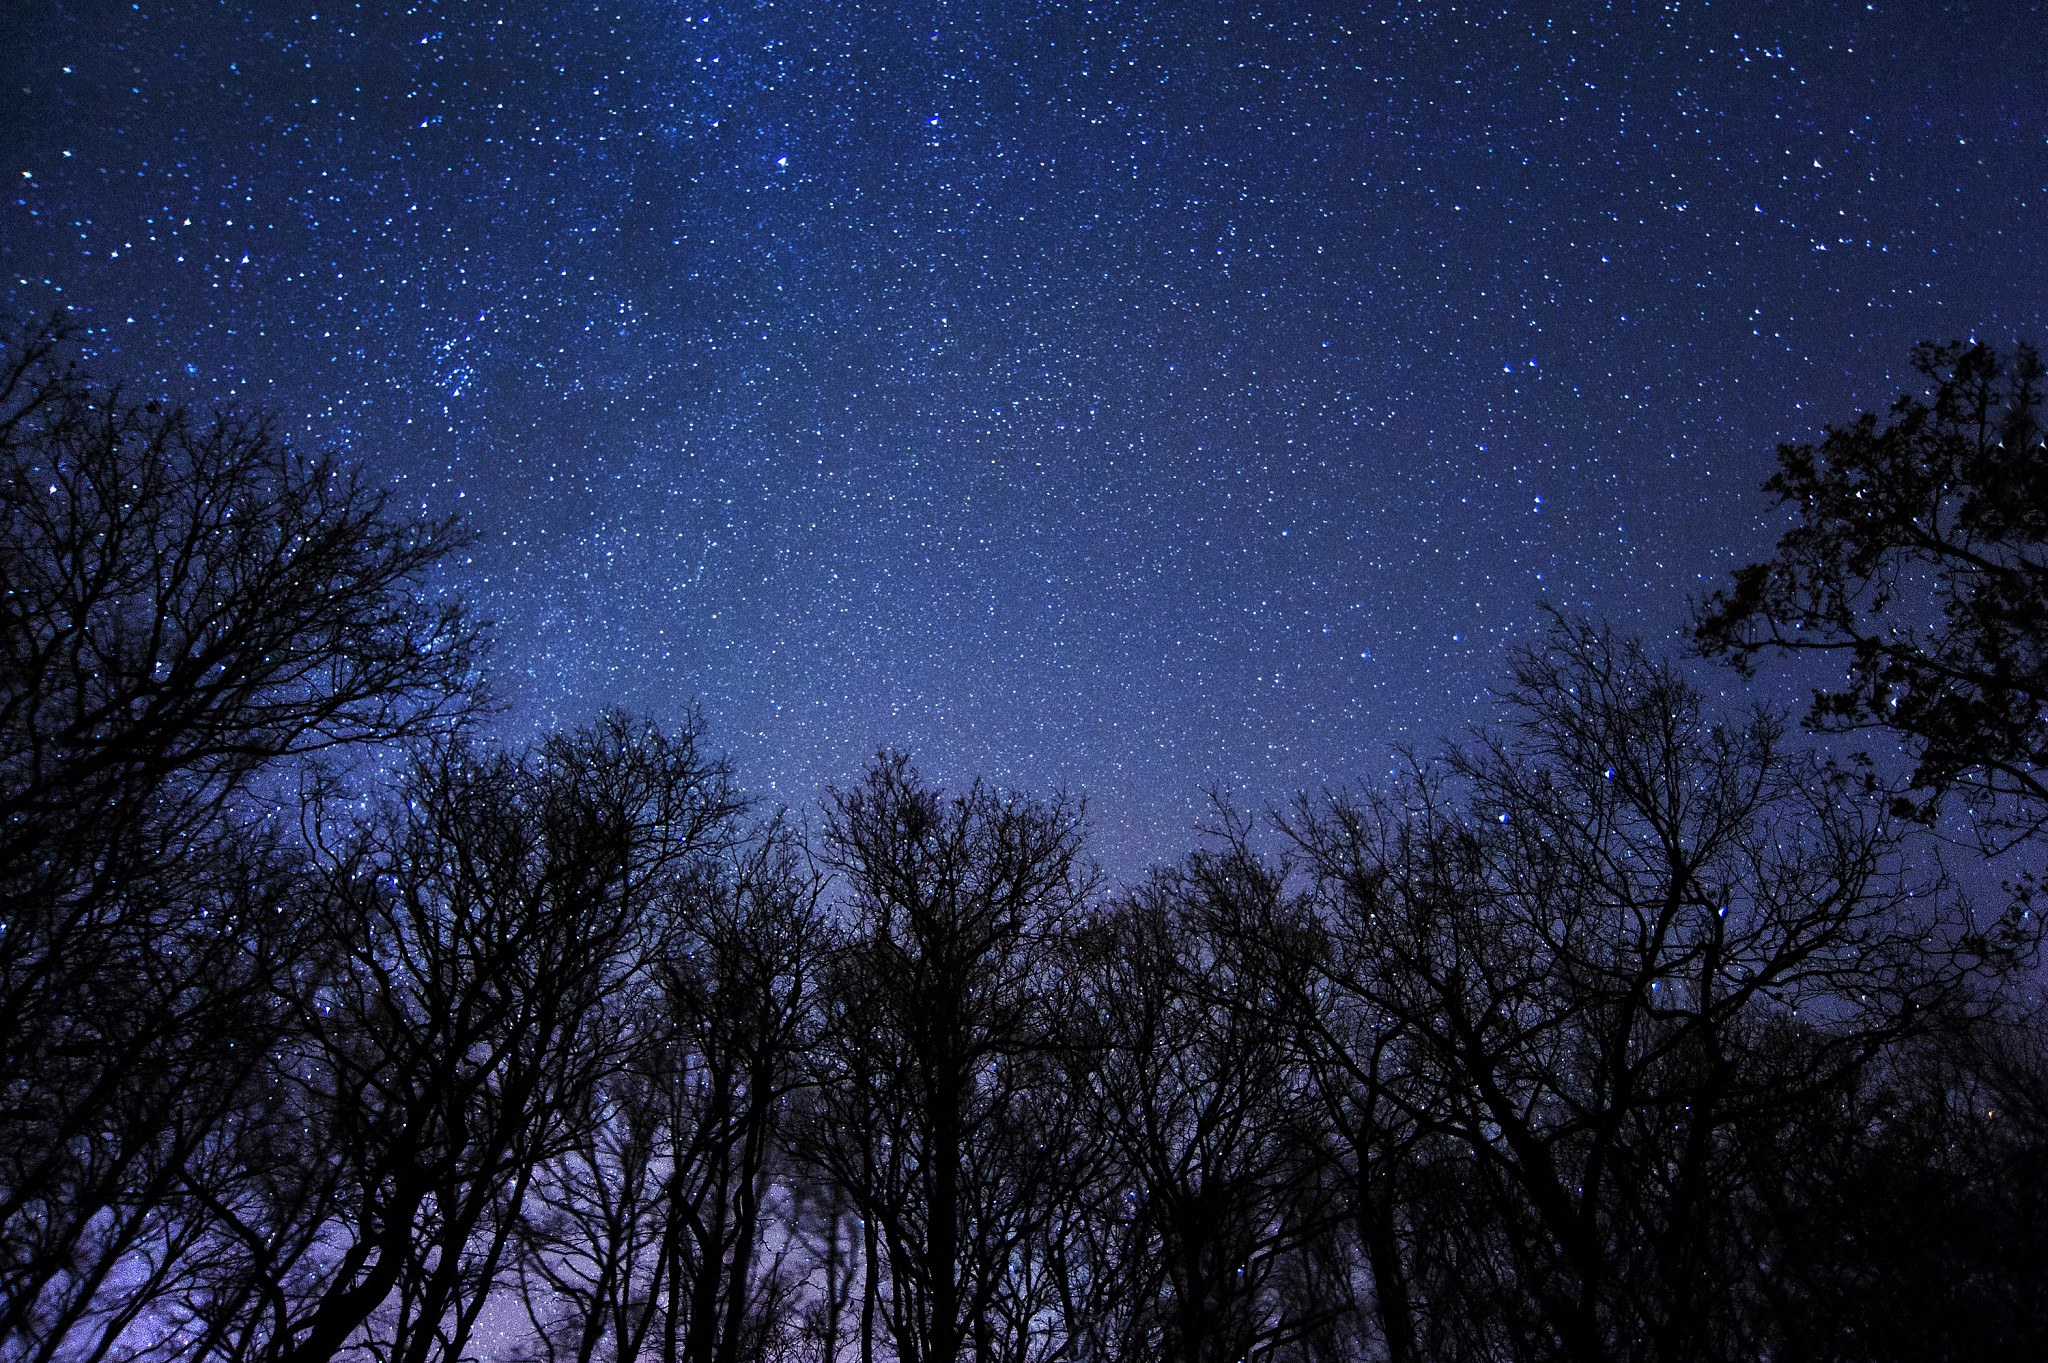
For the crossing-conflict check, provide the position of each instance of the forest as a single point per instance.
(1635, 1025)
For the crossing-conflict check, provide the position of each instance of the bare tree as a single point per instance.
(487, 925)
(1590, 933)
(939, 1080)
(132, 1203)
(650, 1233)
(1214, 1148)
(187, 609)
(832, 1238)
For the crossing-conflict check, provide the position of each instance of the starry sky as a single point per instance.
(1137, 398)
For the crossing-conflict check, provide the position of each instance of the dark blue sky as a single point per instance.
(1138, 398)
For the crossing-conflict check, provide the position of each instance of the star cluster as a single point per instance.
(1138, 398)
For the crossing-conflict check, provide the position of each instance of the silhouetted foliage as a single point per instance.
(1908, 1215)
(1920, 562)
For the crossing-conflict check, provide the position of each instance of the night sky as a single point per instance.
(1136, 398)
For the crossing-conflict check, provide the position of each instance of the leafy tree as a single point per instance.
(1920, 563)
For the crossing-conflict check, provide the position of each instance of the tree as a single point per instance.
(1909, 1213)
(1304, 978)
(1600, 942)
(647, 1232)
(941, 1093)
(489, 928)
(125, 1179)
(188, 609)
(1212, 1162)
(1920, 562)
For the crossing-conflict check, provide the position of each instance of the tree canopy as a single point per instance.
(1631, 1029)
(1919, 563)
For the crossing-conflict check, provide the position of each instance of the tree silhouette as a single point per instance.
(1920, 562)
(647, 1232)
(1213, 1146)
(188, 609)
(941, 1091)
(1599, 942)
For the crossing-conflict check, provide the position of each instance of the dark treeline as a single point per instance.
(1631, 1028)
